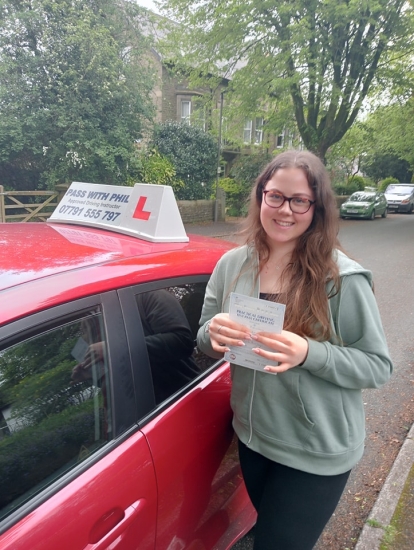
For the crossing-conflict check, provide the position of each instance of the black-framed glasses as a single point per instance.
(298, 205)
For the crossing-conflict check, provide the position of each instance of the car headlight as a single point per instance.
(405, 201)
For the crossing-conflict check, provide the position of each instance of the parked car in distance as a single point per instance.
(364, 204)
(115, 430)
(400, 197)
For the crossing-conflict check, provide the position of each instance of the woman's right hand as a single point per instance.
(224, 333)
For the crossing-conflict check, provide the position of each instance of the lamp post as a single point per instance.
(218, 155)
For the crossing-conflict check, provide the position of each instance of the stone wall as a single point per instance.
(203, 210)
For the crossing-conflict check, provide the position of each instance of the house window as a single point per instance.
(199, 117)
(185, 111)
(280, 141)
(258, 135)
(247, 131)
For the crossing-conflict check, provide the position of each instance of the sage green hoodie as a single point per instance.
(310, 417)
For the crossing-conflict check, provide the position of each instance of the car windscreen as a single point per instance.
(399, 189)
(362, 197)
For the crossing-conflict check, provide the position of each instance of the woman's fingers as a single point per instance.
(224, 332)
(287, 348)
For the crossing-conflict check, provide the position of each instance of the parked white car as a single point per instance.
(400, 197)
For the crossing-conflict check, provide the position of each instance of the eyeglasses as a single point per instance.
(298, 205)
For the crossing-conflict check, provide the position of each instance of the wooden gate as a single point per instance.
(24, 206)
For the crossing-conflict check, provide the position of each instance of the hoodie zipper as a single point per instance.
(250, 409)
(253, 388)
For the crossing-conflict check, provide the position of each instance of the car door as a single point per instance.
(76, 472)
(202, 500)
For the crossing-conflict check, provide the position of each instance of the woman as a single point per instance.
(300, 432)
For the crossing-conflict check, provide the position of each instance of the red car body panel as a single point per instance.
(49, 268)
(176, 482)
(72, 517)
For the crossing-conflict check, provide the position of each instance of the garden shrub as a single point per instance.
(386, 182)
(193, 154)
(244, 172)
(357, 183)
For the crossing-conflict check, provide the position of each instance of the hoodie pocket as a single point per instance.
(278, 411)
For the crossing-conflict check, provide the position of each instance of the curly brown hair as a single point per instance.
(312, 263)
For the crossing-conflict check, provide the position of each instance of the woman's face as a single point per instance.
(282, 226)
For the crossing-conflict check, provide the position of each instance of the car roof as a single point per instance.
(400, 185)
(365, 192)
(45, 264)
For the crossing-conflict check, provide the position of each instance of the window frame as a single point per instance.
(258, 130)
(185, 119)
(123, 404)
(138, 349)
(248, 127)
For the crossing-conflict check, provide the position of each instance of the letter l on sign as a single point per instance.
(140, 213)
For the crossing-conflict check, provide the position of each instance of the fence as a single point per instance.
(24, 206)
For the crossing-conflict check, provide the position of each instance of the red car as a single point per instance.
(115, 431)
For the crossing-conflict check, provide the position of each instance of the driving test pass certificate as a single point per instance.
(259, 316)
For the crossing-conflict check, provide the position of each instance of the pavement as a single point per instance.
(390, 524)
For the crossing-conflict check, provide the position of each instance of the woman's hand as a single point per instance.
(224, 332)
(290, 350)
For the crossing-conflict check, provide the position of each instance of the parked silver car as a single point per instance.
(400, 197)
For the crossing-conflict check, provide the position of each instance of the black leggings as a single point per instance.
(293, 506)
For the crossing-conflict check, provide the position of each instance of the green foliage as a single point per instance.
(74, 91)
(314, 60)
(344, 157)
(386, 182)
(157, 169)
(358, 182)
(348, 187)
(234, 196)
(193, 154)
(380, 165)
(243, 174)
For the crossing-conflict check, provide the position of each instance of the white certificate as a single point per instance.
(259, 316)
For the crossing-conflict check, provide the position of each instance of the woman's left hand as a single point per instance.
(290, 350)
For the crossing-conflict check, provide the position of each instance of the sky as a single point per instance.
(148, 4)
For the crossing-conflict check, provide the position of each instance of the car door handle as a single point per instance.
(128, 517)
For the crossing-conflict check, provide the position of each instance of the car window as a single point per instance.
(170, 319)
(400, 189)
(55, 410)
(362, 197)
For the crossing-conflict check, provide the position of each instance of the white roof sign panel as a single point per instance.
(147, 211)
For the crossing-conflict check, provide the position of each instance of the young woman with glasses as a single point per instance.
(300, 424)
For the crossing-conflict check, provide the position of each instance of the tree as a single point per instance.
(392, 140)
(344, 158)
(324, 56)
(379, 166)
(193, 154)
(74, 90)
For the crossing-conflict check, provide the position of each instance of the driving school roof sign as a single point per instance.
(147, 211)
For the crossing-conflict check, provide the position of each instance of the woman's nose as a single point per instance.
(286, 205)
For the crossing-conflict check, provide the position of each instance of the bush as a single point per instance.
(386, 182)
(193, 154)
(243, 174)
(157, 169)
(353, 184)
(340, 189)
(357, 183)
(234, 196)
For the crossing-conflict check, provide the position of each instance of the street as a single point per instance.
(386, 247)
